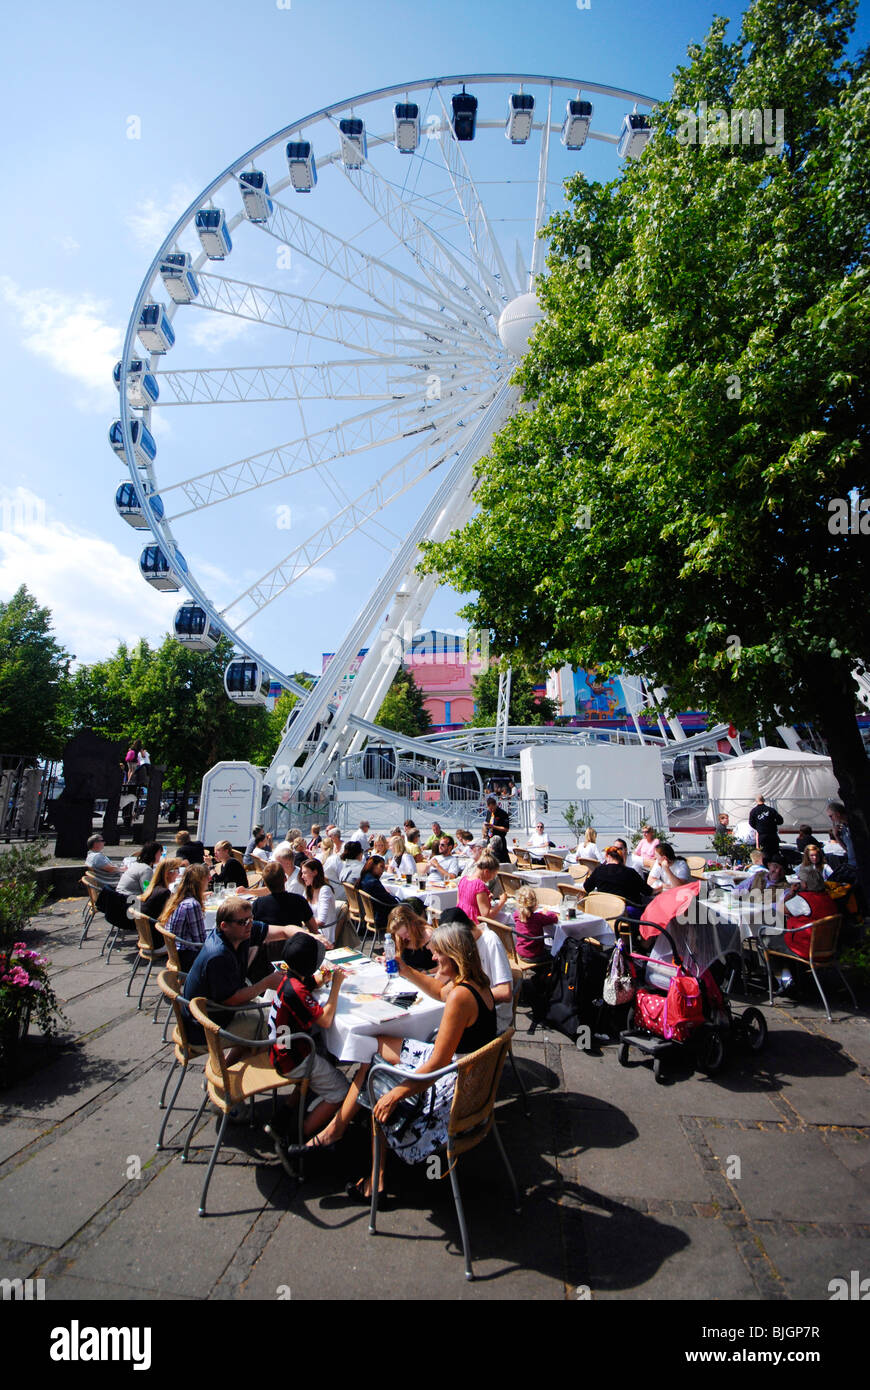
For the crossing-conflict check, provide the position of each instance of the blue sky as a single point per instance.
(88, 207)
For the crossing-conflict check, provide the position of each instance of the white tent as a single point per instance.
(799, 785)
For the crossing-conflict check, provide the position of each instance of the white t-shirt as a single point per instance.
(538, 842)
(494, 959)
(324, 913)
(590, 851)
(262, 854)
(679, 869)
(361, 837)
(332, 867)
(351, 871)
(448, 862)
(405, 864)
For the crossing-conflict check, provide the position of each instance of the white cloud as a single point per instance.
(95, 592)
(212, 331)
(72, 333)
(318, 579)
(152, 221)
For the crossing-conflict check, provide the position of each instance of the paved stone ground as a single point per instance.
(752, 1186)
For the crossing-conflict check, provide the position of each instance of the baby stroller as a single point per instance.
(683, 999)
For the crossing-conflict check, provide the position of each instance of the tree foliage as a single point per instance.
(526, 707)
(403, 708)
(698, 400)
(33, 668)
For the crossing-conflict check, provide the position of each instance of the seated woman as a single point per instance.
(370, 882)
(613, 876)
(381, 846)
(400, 861)
(160, 888)
(468, 1023)
(351, 863)
(412, 935)
(280, 908)
(229, 873)
(813, 865)
(321, 898)
(137, 878)
(474, 897)
(669, 871)
(801, 906)
(530, 923)
(497, 846)
(184, 914)
(587, 848)
(646, 847)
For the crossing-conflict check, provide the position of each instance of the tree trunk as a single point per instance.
(836, 720)
(182, 810)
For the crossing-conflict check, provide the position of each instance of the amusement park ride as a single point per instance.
(360, 256)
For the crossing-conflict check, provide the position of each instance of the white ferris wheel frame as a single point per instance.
(399, 589)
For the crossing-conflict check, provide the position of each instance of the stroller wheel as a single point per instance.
(711, 1051)
(659, 1071)
(629, 1020)
(622, 1054)
(754, 1026)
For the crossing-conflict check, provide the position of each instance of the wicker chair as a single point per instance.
(697, 864)
(606, 905)
(510, 883)
(588, 864)
(90, 909)
(579, 871)
(548, 897)
(171, 983)
(523, 858)
(147, 953)
(823, 952)
(172, 943)
(472, 1118)
(554, 862)
(354, 907)
(572, 893)
(369, 925)
(229, 1085)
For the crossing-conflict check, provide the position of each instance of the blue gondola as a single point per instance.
(575, 127)
(521, 114)
(300, 162)
(211, 227)
(154, 566)
(128, 505)
(195, 629)
(142, 388)
(255, 195)
(245, 682)
(353, 142)
(144, 448)
(178, 277)
(406, 124)
(155, 331)
(634, 135)
(464, 115)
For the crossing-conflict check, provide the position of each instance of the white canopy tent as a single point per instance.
(799, 785)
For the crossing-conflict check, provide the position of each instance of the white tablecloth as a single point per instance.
(438, 898)
(360, 1020)
(543, 878)
(584, 924)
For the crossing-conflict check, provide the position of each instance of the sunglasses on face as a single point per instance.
(241, 920)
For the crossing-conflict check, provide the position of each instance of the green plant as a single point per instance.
(576, 820)
(25, 988)
(20, 895)
(857, 960)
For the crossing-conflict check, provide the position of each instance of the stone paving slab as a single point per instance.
(806, 1265)
(790, 1177)
(853, 1151)
(17, 1135)
(65, 1288)
(647, 1153)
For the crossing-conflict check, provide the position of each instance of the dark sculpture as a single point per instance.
(91, 769)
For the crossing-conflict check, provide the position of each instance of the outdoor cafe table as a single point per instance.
(363, 1014)
(584, 924)
(542, 878)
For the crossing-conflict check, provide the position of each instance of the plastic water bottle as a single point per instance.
(392, 965)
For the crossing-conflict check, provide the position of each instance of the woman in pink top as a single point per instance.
(474, 896)
(647, 846)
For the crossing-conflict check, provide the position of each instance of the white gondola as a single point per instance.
(245, 682)
(353, 142)
(144, 447)
(255, 195)
(575, 127)
(521, 114)
(464, 115)
(634, 135)
(178, 277)
(211, 228)
(128, 505)
(406, 124)
(300, 162)
(194, 628)
(154, 566)
(142, 388)
(155, 331)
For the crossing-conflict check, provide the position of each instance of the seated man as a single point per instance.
(220, 971)
(444, 864)
(278, 908)
(538, 843)
(186, 848)
(109, 901)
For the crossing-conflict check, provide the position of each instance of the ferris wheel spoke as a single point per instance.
(538, 246)
(437, 261)
(382, 282)
(362, 511)
(384, 424)
(491, 263)
(369, 379)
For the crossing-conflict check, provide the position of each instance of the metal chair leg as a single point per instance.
(506, 1161)
(160, 1000)
(821, 992)
(376, 1168)
(162, 1133)
(145, 983)
(169, 1017)
(162, 1100)
(195, 1121)
(212, 1162)
(460, 1214)
(137, 962)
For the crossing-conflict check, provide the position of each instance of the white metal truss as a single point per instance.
(536, 264)
(367, 380)
(384, 424)
(502, 710)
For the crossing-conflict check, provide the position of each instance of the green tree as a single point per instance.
(33, 668)
(267, 747)
(698, 412)
(403, 709)
(525, 706)
(100, 696)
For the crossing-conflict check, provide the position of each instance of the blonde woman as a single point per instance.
(588, 849)
(380, 846)
(161, 887)
(184, 914)
(400, 861)
(412, 936)
(530, 924)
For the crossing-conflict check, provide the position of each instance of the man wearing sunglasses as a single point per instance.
(220, 971)
(538, 843)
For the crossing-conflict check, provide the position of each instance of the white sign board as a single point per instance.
(229, 804)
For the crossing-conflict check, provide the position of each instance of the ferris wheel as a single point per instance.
(322, 349)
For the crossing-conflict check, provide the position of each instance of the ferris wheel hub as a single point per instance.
(518, 321)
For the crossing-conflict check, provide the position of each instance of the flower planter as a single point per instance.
(13, 1031)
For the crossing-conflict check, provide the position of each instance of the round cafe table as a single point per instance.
(363, 1013)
